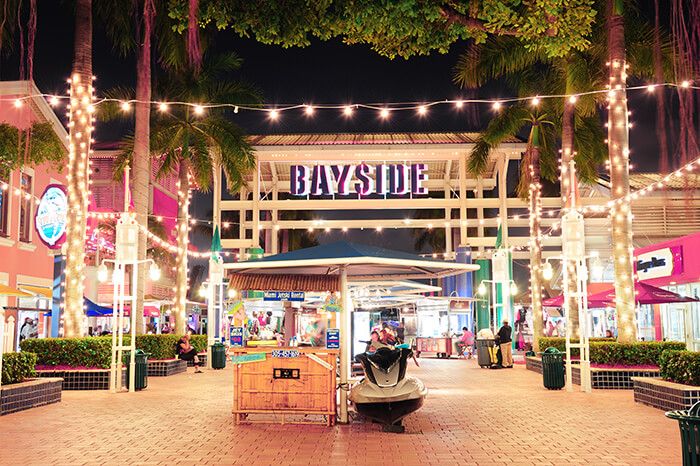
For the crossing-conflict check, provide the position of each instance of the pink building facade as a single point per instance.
(26, 262)
(675, 266)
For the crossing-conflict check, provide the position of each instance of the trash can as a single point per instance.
(689, 423)
(553, 369)
(485, 351)
(141, 379)
(218, 356)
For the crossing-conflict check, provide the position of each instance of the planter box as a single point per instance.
(603, 378)
(202, 360)
(29, 394)
(664, 395)
(166, 367)
(81, 379)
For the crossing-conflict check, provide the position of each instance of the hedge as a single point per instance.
(560, 343)
(16, 367)
(96, 352)
(680, 366)
(607, 351)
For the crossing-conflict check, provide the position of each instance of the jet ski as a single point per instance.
(386, 394)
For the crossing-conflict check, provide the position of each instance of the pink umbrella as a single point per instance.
(644, 294)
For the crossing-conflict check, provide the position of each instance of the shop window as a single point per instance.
(4, 205)
(25, 208)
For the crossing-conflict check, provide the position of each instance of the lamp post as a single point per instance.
(127, 234)
(512, 289)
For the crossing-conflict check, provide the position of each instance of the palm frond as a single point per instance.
(111, 109)
(503, 126)
(123, 157)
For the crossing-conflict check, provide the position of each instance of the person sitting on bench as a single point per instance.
(187, 352)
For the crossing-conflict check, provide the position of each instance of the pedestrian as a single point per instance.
(26, 330)
(187, 352)
(506, 342)
(466, 343)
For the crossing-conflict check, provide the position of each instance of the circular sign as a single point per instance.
(51, 216)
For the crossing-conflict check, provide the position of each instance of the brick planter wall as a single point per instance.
(616, 379)
(87, 379)
(29, 394)
(664, 395)
(166, 367)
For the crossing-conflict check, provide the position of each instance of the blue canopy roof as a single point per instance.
(95, 310)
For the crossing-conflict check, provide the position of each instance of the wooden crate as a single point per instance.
(257, 392)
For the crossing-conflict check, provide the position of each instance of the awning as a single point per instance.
(9, 291)
(42, 291)
(285, 282)
(95, 310)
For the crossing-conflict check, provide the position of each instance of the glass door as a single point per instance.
(693, 316)
(673, 321)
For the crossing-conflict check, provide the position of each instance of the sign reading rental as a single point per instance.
(362, 179)
(51, 216)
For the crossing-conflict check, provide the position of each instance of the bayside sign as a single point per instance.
(363, 179)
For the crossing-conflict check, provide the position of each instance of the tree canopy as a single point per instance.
(399, 27)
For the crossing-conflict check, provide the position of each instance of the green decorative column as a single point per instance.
(503, 294)
(482, 306)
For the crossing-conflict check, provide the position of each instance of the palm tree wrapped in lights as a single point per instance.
(195, 140)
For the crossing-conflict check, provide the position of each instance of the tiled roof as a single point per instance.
(283, 282)
(339, 139)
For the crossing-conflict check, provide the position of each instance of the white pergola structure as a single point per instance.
(468, 208)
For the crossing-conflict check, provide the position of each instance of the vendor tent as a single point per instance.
(95, 310)
(349, 261)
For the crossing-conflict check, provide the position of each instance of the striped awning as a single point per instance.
(9, 291)
(41, 291)
(284, 282)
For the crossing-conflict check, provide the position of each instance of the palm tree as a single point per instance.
(192, 141)
(578, 72)
(539, 161)
(128, 35)
(618, 149)
(80, 131)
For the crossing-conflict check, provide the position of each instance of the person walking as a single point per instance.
(506, 344)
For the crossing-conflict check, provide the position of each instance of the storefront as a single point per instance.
(675, 266)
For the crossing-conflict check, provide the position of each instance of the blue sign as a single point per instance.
(283, 296)
(51, 216)
(333, 338)
(236, 337)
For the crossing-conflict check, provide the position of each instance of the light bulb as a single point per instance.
(18, 103)
(547, 272)
(232, 294)
(102, 273)
(202, 291)
(274, 114)
(481, 289)
(422, 110)
(459, 103)
(154, 273)
(384, 113)
(496, 106)
(163, 107)
(513, 289)
(309, 110)
(347, 110)
(198, 110)
(126, 106)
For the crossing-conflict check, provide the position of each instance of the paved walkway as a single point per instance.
(472, 416)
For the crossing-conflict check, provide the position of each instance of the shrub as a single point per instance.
(74, 352)
(560, 343)
(608, 351)
(16, 367)
(96, 352)
(680, 366)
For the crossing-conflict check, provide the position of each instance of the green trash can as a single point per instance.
(218, 356)
(141, 372)
(689, 424)
(553, 369)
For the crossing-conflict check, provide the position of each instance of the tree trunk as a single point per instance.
(182, 243)
(664, 164)
(535, 245)
(618, 149)
(80, 133)
(141, 163)
(568, 192)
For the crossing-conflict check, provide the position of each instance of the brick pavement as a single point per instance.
(472, 416)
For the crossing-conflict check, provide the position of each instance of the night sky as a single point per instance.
(325, 72)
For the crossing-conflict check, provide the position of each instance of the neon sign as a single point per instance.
(51, 216)
(363, 179)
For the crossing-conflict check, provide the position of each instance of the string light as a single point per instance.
(497, 106)
(384, 113)
(309, 110)
(347, 110)
(422, 110)
(198, 110)
(163, 107)
(273, 114)
(126, 106)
